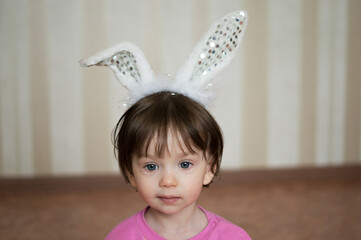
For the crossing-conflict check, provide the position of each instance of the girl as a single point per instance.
(168, 145)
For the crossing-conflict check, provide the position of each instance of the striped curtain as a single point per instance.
(291, 97)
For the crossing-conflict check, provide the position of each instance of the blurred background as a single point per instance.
(289, 105)
(290, 98)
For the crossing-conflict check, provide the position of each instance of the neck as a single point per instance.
(189, 221)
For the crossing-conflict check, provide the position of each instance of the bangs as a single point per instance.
(157, 144)
(160, 126)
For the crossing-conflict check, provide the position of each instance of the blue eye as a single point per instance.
(185, 164)
(151, 167)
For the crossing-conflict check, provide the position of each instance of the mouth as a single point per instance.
(169, 199)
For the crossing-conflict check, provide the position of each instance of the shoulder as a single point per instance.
(127, 229)
(225, 229)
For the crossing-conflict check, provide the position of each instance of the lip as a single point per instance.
(169, 199)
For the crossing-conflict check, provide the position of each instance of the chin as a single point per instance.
(170, 209)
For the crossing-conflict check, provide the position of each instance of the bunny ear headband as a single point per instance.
(212, 53)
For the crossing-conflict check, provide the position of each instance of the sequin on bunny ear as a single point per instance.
(125, 62)
(224, 39)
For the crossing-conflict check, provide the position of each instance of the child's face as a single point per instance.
(173, 182)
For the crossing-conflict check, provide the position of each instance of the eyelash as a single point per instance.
(152, 167)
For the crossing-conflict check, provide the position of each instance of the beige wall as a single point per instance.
(291, 97)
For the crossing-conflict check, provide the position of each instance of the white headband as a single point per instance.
(212, 53)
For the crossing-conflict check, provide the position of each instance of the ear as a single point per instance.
(132, 179)
(214, 51)
(208, 176)
(127, 62)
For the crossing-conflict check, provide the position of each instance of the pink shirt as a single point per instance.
(136, 228)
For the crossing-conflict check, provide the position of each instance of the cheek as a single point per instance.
(194, 187)
(193, 194)
(145, 195)
(145, 187)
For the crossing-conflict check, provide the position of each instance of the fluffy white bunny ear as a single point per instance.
(128, 63)
(215, 50)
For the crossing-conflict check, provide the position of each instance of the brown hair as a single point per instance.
(155, 115)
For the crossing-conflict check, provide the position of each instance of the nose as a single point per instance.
(168, 180)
